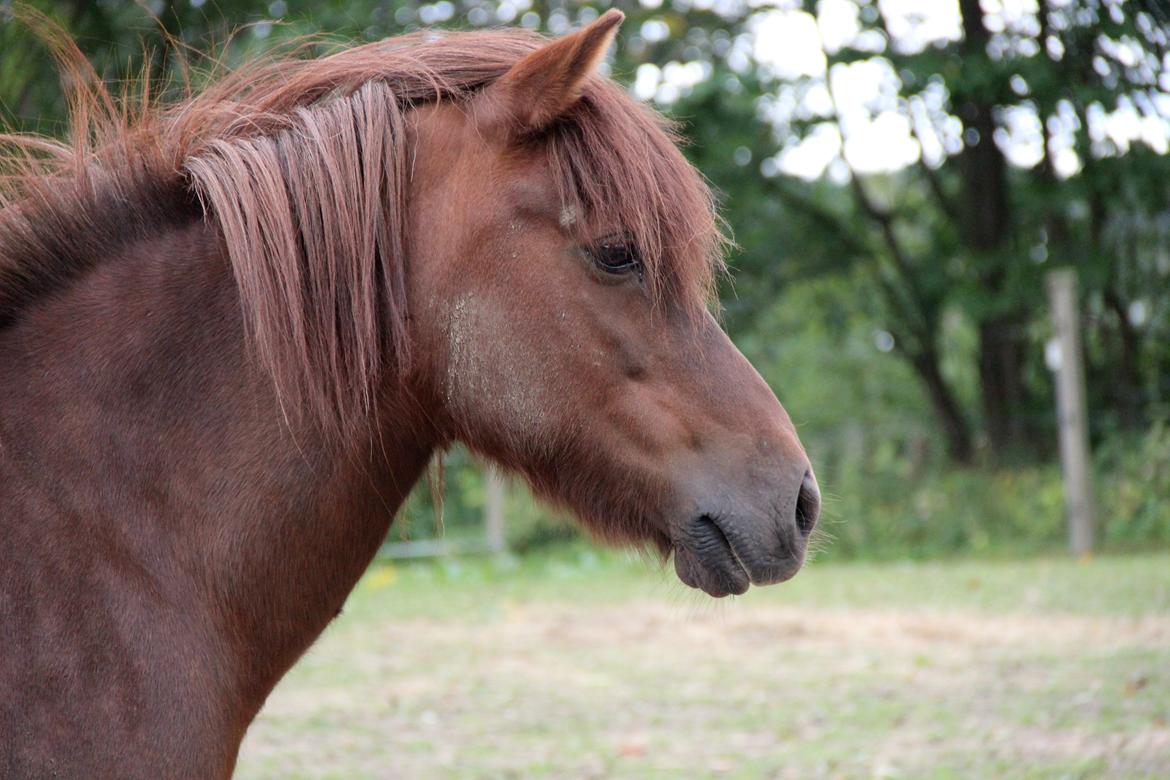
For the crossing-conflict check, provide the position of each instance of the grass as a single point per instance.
(587, 664)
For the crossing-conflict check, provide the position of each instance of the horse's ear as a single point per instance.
(540, 87)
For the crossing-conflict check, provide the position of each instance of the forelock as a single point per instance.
(618, 162)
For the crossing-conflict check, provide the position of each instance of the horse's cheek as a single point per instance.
(489, 383)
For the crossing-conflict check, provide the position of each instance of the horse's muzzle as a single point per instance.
(723, 553)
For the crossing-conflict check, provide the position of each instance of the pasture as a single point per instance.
(591, 665)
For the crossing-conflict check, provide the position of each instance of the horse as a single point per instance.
(235, 327)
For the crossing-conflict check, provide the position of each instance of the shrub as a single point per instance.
(890, 508)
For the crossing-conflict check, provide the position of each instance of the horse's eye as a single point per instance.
(616, 257)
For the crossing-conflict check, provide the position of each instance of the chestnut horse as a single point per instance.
(235, 328)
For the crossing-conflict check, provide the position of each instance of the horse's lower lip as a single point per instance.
(722, 562)
(714, 567)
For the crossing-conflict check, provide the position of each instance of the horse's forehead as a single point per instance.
(502, 180)
(514, 178)
(444, 129)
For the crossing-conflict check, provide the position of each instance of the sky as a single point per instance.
(878, 132)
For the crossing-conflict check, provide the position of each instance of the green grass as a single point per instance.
(589, 664)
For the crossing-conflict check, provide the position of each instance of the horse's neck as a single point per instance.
(138, 441)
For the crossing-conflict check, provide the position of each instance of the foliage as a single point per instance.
(1132, 490)
(970, 222)
(892, 501)
(460, 483)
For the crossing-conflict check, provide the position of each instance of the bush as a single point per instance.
(1004, 512)
(890, 508)
(962, 511)
(1133, 497)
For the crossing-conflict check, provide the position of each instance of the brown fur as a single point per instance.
(234, 329)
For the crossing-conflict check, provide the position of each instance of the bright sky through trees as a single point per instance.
(882, 131)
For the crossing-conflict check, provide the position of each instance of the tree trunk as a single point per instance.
(1001, 359)
(1126, 384)
(956, 428)
(986, 233)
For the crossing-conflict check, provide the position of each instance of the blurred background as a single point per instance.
(902, 178)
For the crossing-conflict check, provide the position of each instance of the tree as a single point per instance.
(1019, 165)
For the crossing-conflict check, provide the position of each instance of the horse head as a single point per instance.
(562, 258)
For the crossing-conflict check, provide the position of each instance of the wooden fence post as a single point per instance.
(493, 525)
(1065, 360)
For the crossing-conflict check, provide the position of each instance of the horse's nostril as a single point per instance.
(808, 504)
